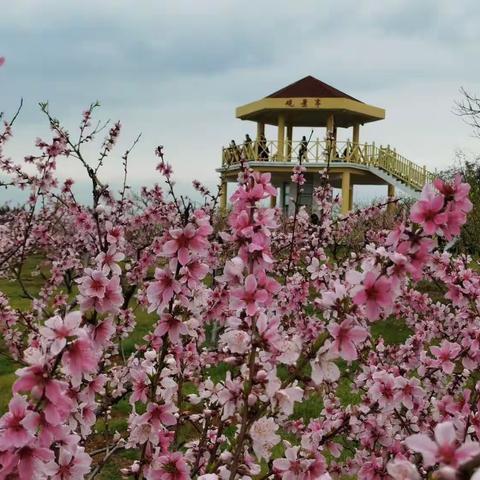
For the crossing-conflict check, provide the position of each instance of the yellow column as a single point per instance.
(355, 139)
(260, 130)
(289, 141)
(273, 202)
(281, 138)
(356, 134)
(330, 123)
(391, 194)
(346, 193)
(391, 191)
(223, 197)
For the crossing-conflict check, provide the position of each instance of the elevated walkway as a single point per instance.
(369, 163)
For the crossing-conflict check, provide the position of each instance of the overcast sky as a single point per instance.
(176, 70)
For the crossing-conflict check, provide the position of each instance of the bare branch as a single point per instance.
(469, 109)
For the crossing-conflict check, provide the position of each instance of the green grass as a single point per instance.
(18, 300)
(392, 330)
(142, 328)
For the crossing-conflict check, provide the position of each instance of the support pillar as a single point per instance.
(391, 194)
(260, 130)
(273, 202)
(223, 197)
(347, 193)
(281, 138)
(391, 191)
(289, 142)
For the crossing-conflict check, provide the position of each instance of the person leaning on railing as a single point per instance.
(247, 147)
(227, 158)
(262, 149)
(234, 152)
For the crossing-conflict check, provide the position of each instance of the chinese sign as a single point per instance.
(303, 102)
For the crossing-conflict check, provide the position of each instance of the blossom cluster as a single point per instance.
(257, 348)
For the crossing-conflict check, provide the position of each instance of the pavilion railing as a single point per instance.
(325, 151)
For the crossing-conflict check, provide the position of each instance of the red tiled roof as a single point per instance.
(309, 87)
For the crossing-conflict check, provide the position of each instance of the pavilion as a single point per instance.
(312, 103)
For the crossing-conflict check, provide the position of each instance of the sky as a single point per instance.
(175, 70)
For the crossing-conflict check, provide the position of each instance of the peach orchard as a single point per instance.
(253, 315)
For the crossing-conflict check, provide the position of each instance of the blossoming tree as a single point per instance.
(253, 317)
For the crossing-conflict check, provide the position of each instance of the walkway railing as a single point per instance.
(324, 151)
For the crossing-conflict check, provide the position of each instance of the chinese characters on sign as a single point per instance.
(304, 102)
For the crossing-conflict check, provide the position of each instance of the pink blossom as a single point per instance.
(185, 242)
(455, 219)
(402, 470)
(114, 234)
(160, 415)
(233, 271)
(161, 291)
(28, 462)
(264, 180)
(80, 358)
(18, 425)
(383, 389)
(445, 353)
(170, 466)
(324, 369)
(457, 190)
(375, 293)
(347, 336)
(140, 386)
(408, 391)
(314, 268)
(264, 437)
(418, 258)
(268, 329)
(229, 395)
(102, 332)
(290, 467)
(332, 296)
(35, 379)
(112, 298)
(58, 330)
(446, 449)
(286, 398)
(172, 326)
(93, 284)
(298, 176)
(237, 341)
(193, 273)
(72, 465)
(428, 211)
(108, 261)
(249, 296)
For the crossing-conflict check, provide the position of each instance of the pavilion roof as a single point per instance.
(310, 87)
(309, 102)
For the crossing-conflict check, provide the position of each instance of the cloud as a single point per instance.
(175, 70)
